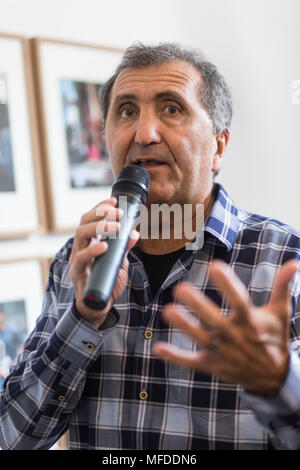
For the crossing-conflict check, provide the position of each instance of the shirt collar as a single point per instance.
(222, 221)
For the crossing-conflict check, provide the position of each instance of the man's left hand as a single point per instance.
(250, 346)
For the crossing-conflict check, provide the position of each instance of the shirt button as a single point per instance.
(148, 334)
(143, 395)
(61, 397)
(90, 346)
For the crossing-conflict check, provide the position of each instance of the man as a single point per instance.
(145, 373)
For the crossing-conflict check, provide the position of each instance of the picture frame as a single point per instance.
(22, 203)
(20, 304)
(25, 281)
(21, 301)
(76, 168)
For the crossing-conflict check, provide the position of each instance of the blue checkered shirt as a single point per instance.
(111, 392)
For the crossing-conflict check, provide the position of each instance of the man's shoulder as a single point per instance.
(65, 251)
(268, 228)
(61, 260)
(244, 227)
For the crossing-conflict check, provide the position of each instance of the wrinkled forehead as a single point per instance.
(180, 76)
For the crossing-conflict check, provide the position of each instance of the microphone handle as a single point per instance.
(106, 267)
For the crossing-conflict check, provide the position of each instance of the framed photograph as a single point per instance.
(69, 78)
(20, 304)
(22, 205)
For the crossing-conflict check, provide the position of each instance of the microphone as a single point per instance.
(131, 186)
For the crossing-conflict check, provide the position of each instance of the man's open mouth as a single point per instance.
(148, 163)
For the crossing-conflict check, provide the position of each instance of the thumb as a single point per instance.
(131, 242)
(134, 237)
(280, 291)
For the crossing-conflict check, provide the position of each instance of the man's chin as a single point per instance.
(160, 198)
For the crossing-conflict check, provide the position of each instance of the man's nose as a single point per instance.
(147, 129)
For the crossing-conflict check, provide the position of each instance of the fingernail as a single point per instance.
(135, 235)
(94, 241)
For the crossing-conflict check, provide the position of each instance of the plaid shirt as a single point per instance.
(107, 387)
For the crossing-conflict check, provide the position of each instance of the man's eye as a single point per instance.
(126, 111)
(171, 109)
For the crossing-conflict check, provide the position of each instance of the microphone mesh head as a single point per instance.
(133, 180)
(135, 174)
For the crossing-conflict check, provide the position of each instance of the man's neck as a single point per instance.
(162, 245)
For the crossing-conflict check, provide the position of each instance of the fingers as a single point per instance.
(233, 288)
(85, 233)
(280, 291)
(134, 237)
(280, 301)
(102, 219)
(256, 328)
(200, 305)
(187, 359)
(105, 209)
(186, 323)
(91, 227)
(85, 256)
(208, 311)
(112, 200)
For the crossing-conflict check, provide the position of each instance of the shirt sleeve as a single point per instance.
(280, 414)
(45, 385)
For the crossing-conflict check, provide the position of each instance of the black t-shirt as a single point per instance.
(158, 267)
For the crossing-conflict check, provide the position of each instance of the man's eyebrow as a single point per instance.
(125, 97)
(168, 94)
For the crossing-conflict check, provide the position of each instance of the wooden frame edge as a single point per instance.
(35, 43)
(42, 131)
(34, 141)
(35, 138)
(77, 44)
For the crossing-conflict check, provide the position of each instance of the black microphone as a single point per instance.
(131, 187)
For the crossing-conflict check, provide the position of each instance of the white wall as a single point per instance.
(255, 43)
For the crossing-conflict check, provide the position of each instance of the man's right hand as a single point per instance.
(83, 254)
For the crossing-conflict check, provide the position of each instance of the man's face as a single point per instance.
(155, 119)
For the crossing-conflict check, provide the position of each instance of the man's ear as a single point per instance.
(222, 139)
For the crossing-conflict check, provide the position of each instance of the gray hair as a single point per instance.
(214, 94)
